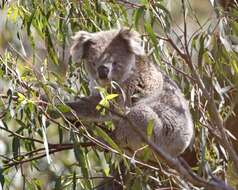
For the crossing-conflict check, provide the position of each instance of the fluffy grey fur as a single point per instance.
(150, 96)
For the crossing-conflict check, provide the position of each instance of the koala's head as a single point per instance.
(109, 55)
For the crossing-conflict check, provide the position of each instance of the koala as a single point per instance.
(146, 94)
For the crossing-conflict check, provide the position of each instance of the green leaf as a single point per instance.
(58, 183)
(106, 138)
(136, 184)
(2, 179)
(81, 157)
(15, 146)
(103, 103)
(74, 181)
(21, 97)
(12, 13)
(234, 64)
(63, 108)
(104, 165)
(138, 14)
(151, 33)
(160, 6)
(232, 176)
(51, 50)
(111, 96)
(22, 124)
(144, 2)
(29, 22)
(146, 154)
(150, 127)
(61, 136)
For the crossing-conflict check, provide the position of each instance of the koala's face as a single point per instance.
(109, 55)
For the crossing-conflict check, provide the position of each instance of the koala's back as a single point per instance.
(153, 93)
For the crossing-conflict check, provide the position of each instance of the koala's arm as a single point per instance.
(85, 109)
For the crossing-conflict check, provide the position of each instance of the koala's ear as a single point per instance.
(133, 39)
(81, 39)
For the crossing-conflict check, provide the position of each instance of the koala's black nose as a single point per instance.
(103, 72)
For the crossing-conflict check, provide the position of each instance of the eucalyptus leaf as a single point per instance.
(2, 178)
(102, 134)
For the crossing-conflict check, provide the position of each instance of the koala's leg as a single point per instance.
(169, 129)
(85, 109)
(139, 116)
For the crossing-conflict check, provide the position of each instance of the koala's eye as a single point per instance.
(116, 66)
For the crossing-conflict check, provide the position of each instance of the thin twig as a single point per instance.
(15, 163)
(131, 4)
(178, 70)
